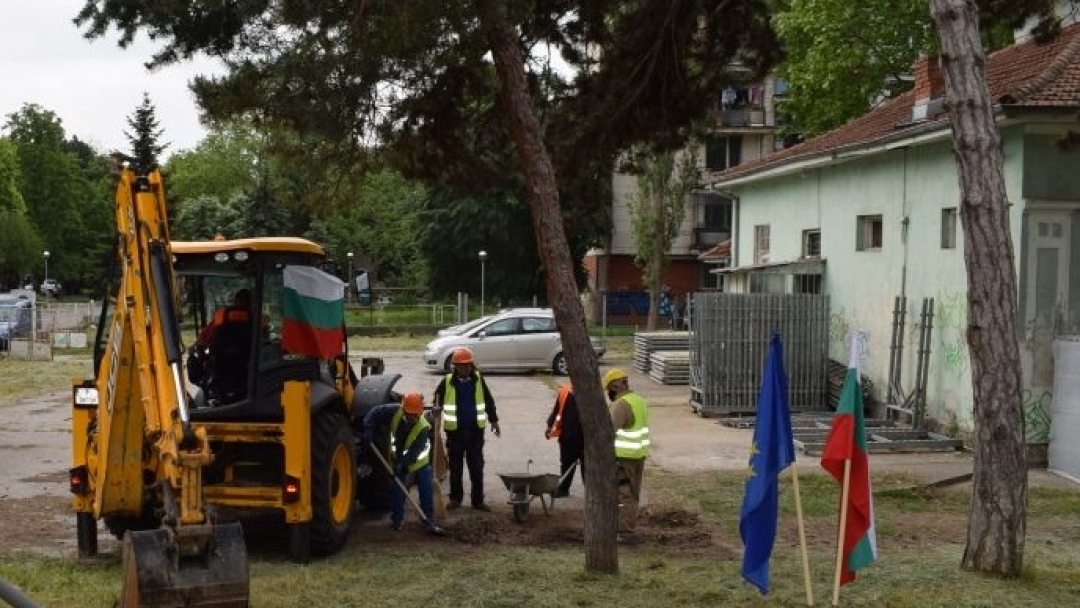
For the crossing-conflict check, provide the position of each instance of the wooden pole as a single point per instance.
(438, 471)
(802, 534)
(840, 535)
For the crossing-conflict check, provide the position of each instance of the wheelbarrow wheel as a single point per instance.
(521, 512)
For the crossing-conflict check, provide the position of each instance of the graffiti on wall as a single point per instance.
(839, 328)
(1036, 404)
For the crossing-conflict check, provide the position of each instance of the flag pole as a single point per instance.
(843, 528)
(802, 534)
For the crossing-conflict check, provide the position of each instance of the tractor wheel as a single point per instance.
(559, 366)
(333, 482)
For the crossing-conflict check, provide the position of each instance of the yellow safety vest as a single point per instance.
(634, 442)
(450, 419)
(421, 424)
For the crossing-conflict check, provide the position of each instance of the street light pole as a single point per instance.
(46, 282)
(349, 278)
(483, 259)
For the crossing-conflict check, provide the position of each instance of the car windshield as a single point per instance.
(10, 313)
(464, 327)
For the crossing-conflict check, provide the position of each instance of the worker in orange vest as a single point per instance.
(565, 424)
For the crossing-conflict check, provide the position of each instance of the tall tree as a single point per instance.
(145, 135)
(998, 520)
(997, 523)
(53, 186)
(348, 72)
(20, 247)
(657, 211)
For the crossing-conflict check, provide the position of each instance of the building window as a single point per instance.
(868, 233)
(811, 243)
(722, 152)
(806, 283)
(761, 243)
(948, 228)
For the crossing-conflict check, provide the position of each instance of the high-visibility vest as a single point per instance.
(450, 418)
(421, 424)
(634, 442)
(564, 394)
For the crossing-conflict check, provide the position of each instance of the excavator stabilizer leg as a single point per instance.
(164, 571)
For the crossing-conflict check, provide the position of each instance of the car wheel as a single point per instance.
(448, 365)
(558, 365)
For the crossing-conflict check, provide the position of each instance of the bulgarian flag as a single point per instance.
(314, 311)
(845, 457)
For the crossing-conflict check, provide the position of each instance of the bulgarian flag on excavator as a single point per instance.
(314, 313)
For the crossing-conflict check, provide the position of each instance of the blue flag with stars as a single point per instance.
(772, 452)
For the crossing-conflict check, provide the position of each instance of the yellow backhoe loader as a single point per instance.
(173, 446)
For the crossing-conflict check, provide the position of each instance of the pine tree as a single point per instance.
(145, 135)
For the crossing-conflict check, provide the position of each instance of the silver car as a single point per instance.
(518, 340)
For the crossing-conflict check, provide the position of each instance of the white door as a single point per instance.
(1046, 300)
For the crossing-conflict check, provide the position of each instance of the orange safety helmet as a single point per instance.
(462, 356)
(413, 403)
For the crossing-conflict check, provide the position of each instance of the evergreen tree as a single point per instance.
(145, 135)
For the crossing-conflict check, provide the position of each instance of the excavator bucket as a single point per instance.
(165, 569)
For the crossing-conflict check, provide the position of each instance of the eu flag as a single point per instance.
(772, 452)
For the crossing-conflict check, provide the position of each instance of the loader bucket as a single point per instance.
(165, 569)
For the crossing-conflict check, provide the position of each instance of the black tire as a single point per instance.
(333, 482)
(521, 512)
(448, 365)
(559, 366)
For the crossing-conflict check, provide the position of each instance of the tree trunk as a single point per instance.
(997, 523)
(601, 500)
(659, 250)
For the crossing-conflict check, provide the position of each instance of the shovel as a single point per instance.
(390, 471)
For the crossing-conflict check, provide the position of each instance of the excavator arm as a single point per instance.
(136, 449)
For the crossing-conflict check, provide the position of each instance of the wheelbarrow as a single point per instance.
(525, 487)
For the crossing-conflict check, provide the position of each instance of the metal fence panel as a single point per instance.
(730, 339)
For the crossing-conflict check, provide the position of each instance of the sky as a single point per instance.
(93, 87)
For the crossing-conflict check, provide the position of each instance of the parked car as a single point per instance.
(50, 287)
(516, 339)
(14, 320)
(457, 330)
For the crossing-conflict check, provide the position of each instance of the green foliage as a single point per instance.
(222, 165)
(204, 217)
(145, 135)
(664, 181)
(417, 78)
(375, 216)
(60, 200)
(20, 248)
(844, 56)
(10, 197)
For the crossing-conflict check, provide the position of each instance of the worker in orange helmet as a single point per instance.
(410, 454)
(467, 409)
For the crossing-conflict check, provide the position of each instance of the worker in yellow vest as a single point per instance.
(630, 418)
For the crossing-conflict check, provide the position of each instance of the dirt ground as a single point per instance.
(35, 511)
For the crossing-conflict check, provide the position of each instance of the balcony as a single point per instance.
(743, 117)
(708, 237)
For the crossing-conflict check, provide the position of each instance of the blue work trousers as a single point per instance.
(422, 478)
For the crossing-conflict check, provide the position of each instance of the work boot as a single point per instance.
(396, 526)
(436, 530)
(481, 507)
(453, 504)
